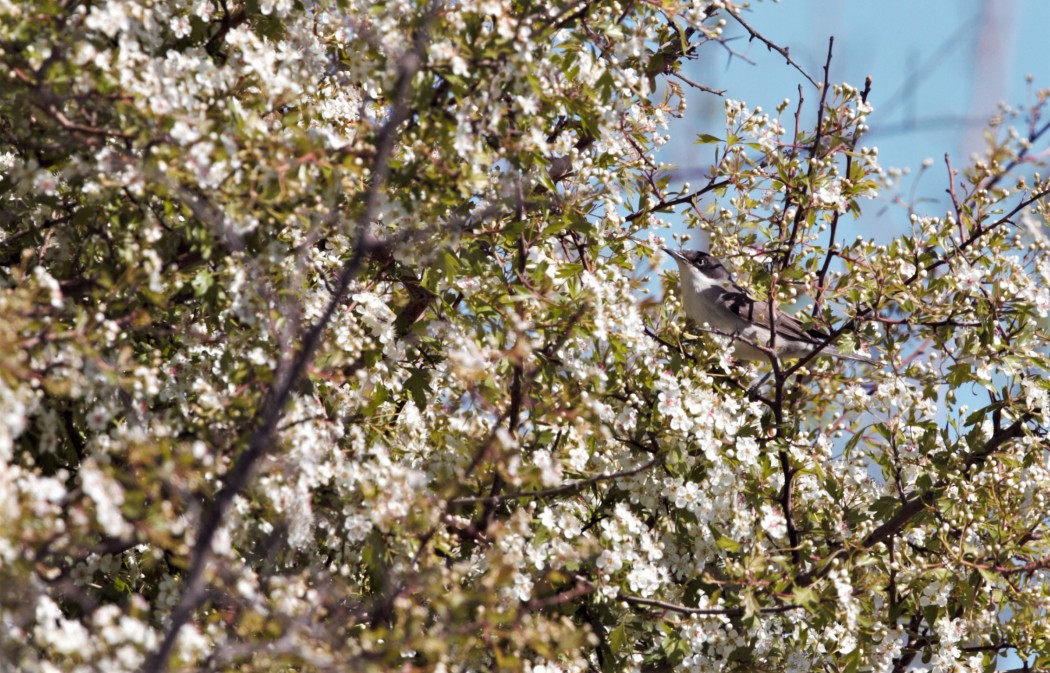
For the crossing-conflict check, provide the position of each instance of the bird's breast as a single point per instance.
(704, 304)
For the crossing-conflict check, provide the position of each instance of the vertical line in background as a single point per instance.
(995, 35)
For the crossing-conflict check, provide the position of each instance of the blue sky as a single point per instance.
(939, 69)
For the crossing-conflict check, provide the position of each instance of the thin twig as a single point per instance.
(697, 85)
(755, 35)
(1021, 156)
(670, 203)
(712, 612)
(814, 155)
(833, 229)
(572, 487)
(955, 199)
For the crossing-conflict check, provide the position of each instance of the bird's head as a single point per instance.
(699, 262)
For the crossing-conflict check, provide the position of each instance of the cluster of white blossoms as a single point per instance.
(327, 347)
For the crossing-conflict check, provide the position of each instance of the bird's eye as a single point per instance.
(701, 262)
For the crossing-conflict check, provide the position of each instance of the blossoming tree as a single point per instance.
(326, 347)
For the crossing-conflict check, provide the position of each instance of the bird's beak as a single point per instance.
(674, 254)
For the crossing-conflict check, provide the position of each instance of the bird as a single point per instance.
(710, 296)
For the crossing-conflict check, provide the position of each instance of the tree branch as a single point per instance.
(916, 503)
(833, 229)
(670, 203)
(814, 155)
(572, 487)
(713, 612)
(755, 35)
(272, 409)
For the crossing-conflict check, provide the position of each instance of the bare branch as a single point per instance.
(671, 203)
(814, 155)
(755, 35)
(697, 85)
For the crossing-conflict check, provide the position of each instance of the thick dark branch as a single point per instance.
(288, 375)
(785, 506)
(581, 588)
(893, 525)
(228, 22)
(517, 381)
(917, 503)
(901, 663)
(1038, 564)
(1000, 437)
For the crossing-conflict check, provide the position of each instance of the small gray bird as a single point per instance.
(710, 296)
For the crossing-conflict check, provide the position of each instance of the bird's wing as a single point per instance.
(735, 299)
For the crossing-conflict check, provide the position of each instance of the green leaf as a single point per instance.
(750, 604)
(728, 544)
(202, 282)
(847, 450)
(853, 661)
(804, 596)
(418, 385)
(884, 507)
(618, 639)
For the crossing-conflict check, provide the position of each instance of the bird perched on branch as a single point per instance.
(711, 297)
